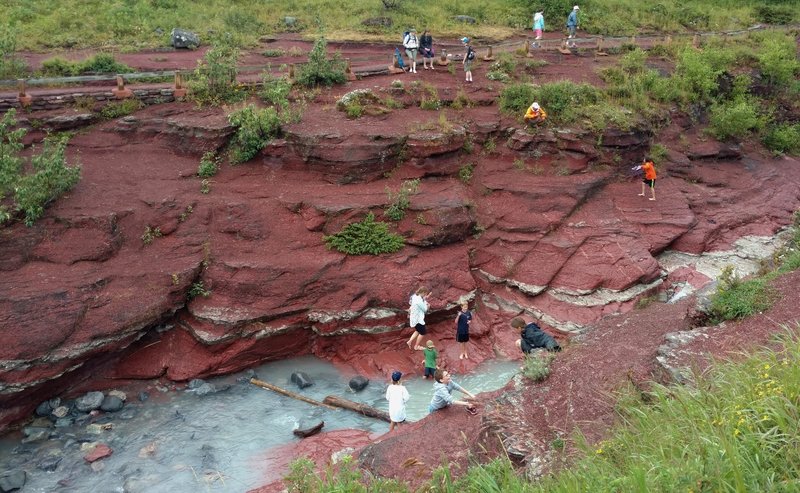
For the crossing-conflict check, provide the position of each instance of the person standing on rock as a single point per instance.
(469, 56)
(649, 180)
(532, 336)
(463, 320)
(426, 47)
(416, 314)
(443, 390)
(397, 395)
(572, 23)
(411, 43)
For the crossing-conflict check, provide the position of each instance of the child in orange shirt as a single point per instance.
(649, 177)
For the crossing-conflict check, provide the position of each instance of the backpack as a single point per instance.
(470, 53)
(405, 35)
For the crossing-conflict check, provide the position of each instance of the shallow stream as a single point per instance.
(177, 441)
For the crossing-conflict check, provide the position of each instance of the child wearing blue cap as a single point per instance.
(469, 56)
(397, 395)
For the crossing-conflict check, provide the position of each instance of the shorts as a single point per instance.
(411, 53)
(649, 183)
(467, 65)
(429, 371)
(427, 53)
(421, 329)
(538, 33)
(571, 30)
(462, 336)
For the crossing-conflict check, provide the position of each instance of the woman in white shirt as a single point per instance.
(416, 315)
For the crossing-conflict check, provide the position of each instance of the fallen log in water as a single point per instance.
(287, 393)
(358, 407)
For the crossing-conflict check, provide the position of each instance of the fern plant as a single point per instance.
(368, 237)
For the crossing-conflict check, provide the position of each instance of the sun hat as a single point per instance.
(396, 376)
(465, 40)
(412, 30)
(430, 344)
(535, 106)
(576, 8)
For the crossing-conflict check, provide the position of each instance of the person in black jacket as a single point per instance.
(532, 336)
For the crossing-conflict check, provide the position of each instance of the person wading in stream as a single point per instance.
(443, 390)
(397, 395)
(416, 314)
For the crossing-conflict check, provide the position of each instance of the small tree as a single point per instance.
(11, 66)
(214, 79)
(319, 71)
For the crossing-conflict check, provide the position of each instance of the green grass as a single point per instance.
(134, 24)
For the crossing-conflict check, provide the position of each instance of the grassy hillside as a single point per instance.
(132, 24)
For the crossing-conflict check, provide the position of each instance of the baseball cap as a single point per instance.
(576, 8)
(535, 106)
(396, 376)
(430, 344)
(465, 40)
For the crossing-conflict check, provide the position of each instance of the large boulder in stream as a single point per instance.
(301, 379)
(358, 383)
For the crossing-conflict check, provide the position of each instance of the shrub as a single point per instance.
(537, 365)
(736, 298)
(565, 100)
(198, 289)
(275, 90)
(319, 71)
(368, 237)
(465, 172)
(255, 128)
(400, 201)
(101, 63)
(353, 103)
(429, 97)
(777, 61)
(121, 108)
(775, 14)
(516, 98)
(11, 66)
(214, 80)
(209, 165)
(784, 138)
(735, 120)
(150, 234)
(49, 179)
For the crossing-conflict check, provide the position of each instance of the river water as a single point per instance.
(177, 441)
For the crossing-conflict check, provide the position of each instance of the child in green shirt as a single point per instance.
(430, 358)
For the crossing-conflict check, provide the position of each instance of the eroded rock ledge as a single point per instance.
(561, 236)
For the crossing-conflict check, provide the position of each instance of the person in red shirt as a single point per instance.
(649, 180)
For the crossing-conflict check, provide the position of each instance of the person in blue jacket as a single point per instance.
(572, 23)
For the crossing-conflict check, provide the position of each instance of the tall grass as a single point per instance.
(134, 24)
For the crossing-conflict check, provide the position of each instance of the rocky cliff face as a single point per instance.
(549, 224)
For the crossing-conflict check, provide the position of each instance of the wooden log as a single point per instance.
(309, 431)
(358, 407)
(287, 393)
